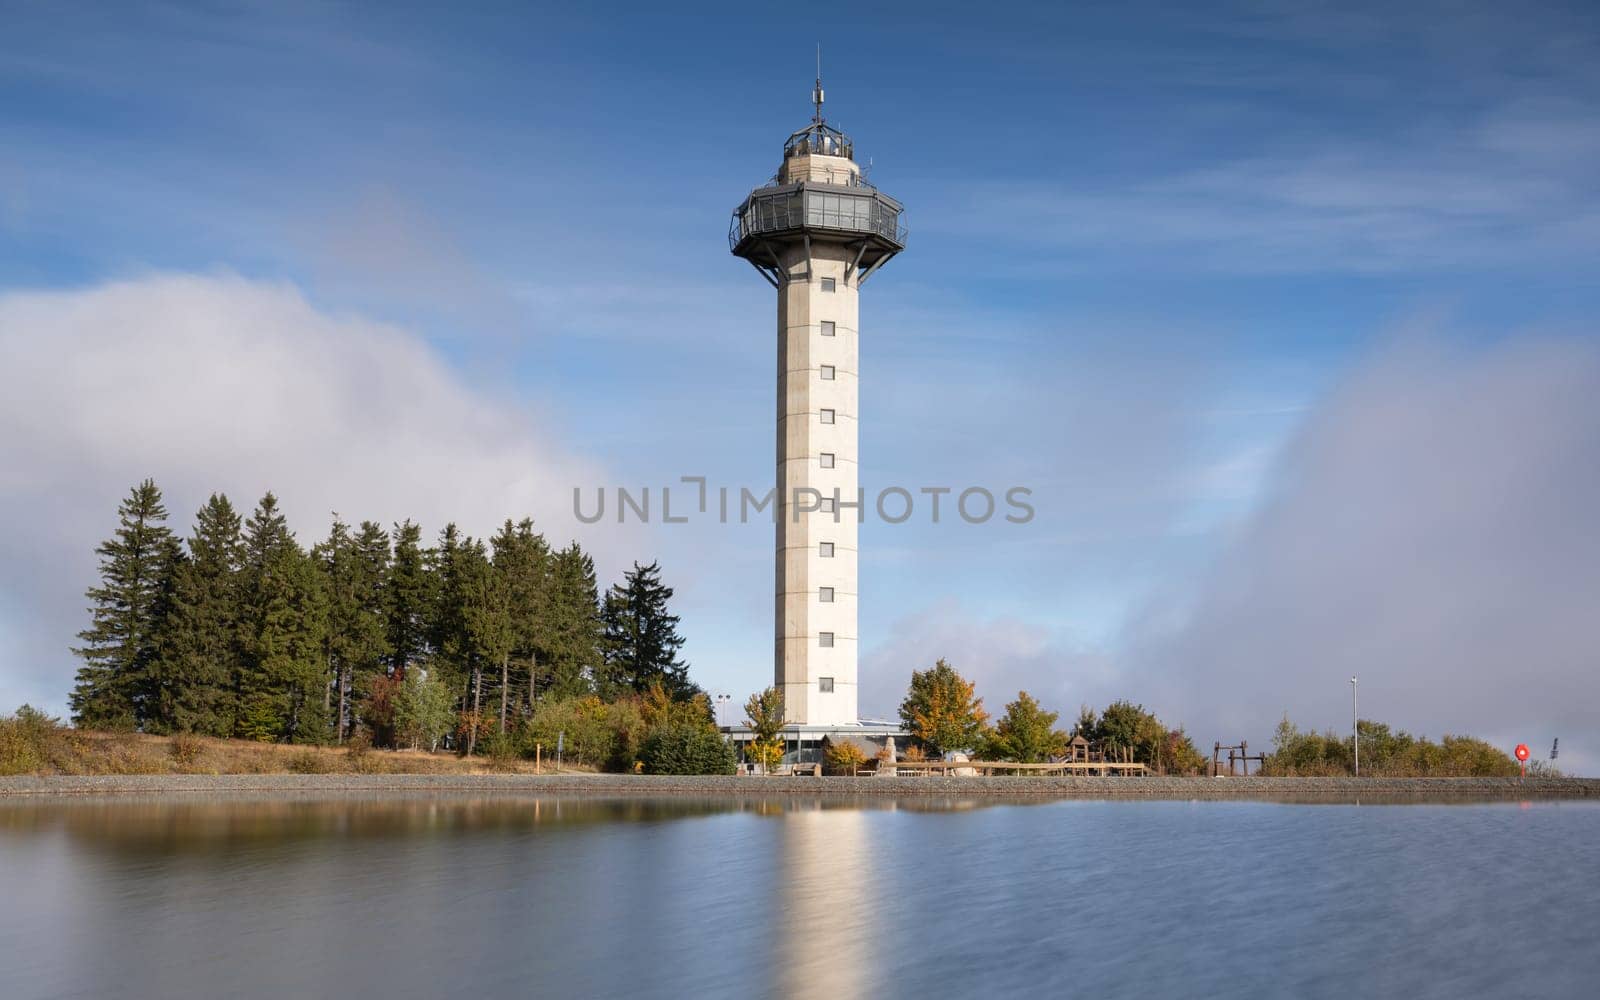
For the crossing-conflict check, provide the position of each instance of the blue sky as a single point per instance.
(1165, 264)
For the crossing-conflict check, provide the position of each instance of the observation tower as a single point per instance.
(816, 232)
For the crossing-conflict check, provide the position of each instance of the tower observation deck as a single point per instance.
(816, 232)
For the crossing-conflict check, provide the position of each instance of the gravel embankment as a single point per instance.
(1281, 789)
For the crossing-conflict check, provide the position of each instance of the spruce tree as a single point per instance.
(369, 648)
(641, 637)
(355, 643)
(284, 618)
(408, 599)
(523, 558)
(199, 653)
(487, 617)
(573, 637)
(137, 567)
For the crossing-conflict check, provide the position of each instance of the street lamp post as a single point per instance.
(1355, 726)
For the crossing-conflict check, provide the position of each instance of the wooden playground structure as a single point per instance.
(1237, 753)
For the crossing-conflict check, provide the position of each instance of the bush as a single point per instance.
(1384, 753)
(29, 741)
(308, 762)
(185, 749)
(844, 758)
(590, 739)
(691, 748)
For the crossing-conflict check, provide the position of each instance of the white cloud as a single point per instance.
(217, 383)
(1431, 530)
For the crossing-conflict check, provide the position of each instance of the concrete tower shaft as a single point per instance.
(816, 233)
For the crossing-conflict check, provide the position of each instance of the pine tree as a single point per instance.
(199, 653)
(523, 558)
(408, 599)
(137, 568)
(355, 643)
(573, 637)
(641, 637)
(369, 648)
(486, 625)
(284, 618)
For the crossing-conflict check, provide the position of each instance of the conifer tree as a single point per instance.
(199, 654)
(641, 636)
(129, 606)
(449, 648)
(283, 615)
(355, 641)
(369, 649)
(484, 617)
(408, 599)
(524, 560)
(490, 628)
(573, 638)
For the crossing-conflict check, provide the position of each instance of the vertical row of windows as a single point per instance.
(825, 549)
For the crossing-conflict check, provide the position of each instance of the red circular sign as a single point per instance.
(1522, 751)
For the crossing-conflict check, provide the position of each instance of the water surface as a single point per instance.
(304, 896)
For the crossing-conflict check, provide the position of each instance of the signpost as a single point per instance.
(1522, 757)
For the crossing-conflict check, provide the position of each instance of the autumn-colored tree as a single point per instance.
(941, 710)
(764, 715)
(1027, 733)
(844, 757)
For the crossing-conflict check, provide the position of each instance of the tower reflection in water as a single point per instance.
(829, 909)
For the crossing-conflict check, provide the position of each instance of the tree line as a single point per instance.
(239, 631)
(942, 710)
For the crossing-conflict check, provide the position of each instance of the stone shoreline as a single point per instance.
(832, 788)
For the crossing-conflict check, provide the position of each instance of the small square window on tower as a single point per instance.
(827, 416)
(825, 639)
(827, 328)
(827, 505)
(827, 284)
(827, 460)
(825, 595)
(828, 372)
(825, 550)
(825, 685)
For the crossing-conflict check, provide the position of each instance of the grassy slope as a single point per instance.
(61, 750)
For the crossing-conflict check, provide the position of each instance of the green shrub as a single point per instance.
(687, 748)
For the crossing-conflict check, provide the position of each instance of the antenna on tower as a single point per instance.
(816, 94)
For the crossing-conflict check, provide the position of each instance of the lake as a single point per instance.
(479, 896)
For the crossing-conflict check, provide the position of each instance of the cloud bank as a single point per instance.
(220, 383)
(1432, 530)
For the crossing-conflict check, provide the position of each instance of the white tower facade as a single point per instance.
(816, 233)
